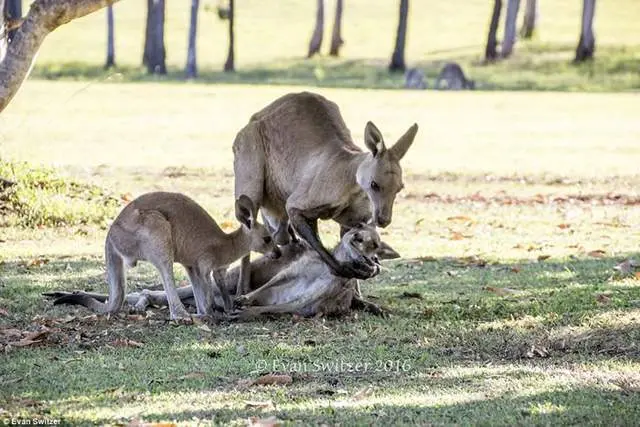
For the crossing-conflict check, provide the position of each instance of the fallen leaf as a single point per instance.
(564, 226)
(535, 351)
(36, 262)
(418, 222)
(598, 253)
(136, 317)
(627, 266)
(363, 393)
(264, 422)
(501, 291)
(126, 197)
(124, 342)
(4, 312)
(603, 298)
(543, 257)
(204, 327)
(255, 404)
(637, 275)
(456, 235)
(516, 269)
(274, 379)
(460, 218)
(24, 342)
(416, 295)
(192, 375)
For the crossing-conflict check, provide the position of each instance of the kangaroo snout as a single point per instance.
(382, 220)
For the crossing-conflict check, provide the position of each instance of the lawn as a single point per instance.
(505, 307)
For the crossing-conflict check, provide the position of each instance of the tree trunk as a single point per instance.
(44, 16)
(490, 53)
(191, 70)
(154, 55)
(587, 43)
(397, 59)
(229, 65)
(3, 33)
(318, 31)
(510, 27)
(530, 19)
(111, 47)
(13, 10)
(336, 35)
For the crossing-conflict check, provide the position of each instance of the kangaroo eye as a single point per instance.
(357, 238)
(267, 239)
(375, 186)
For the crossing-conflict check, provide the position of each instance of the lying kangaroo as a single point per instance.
(454, 78)
(296, 161)
(163, 228)
(310, 287)
(414, 79)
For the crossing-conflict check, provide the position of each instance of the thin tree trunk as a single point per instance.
(510, 27)
(191, 70)
(318, 31)
(44, 16)
(530, 19)
(336, 35)
(490, 53)
(229, 65)
(397, 58)
(111, 47)
(13, 10)
(587, 44)
(3, 33)
(154, 55)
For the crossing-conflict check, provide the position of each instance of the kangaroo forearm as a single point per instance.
(306, 229)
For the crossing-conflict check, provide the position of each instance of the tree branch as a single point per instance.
(44, 16)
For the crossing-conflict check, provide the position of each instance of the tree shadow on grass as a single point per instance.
(571, 406)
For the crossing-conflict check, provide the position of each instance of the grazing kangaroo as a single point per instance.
(454, 78)
(296, 161)
(307, 293)
(414, 79)
(163, 228)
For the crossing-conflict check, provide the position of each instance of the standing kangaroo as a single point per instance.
(163, 228)
(454, 78)
(296, 161)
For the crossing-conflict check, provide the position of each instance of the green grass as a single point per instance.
(484, 330)
(272, 42)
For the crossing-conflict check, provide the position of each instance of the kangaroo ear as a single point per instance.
(386, 252)
(245, 211)
(373, 139)
(400, 148)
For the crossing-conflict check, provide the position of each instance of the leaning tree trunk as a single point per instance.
(397, 58)
(154, 55)
(318, 31)
(490, 53)
(510, 28)
(44, 16)
(587, 43)
(13, 10)
(229, 65)
(191, 69)
(336, 35)
(111, 48)
(530, 19)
